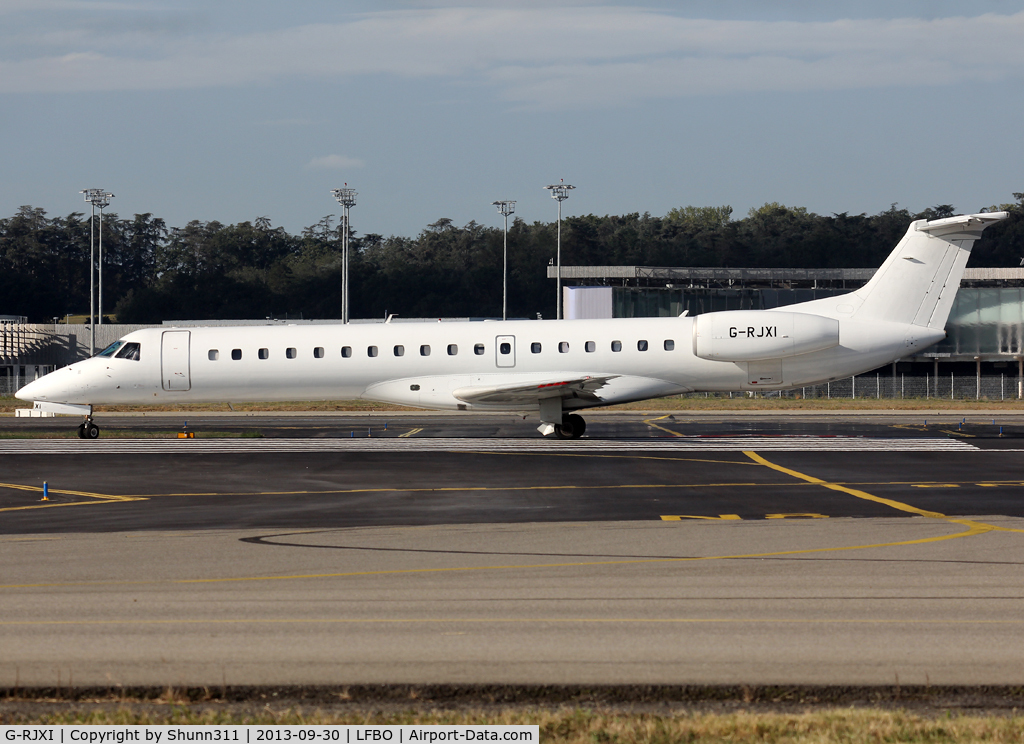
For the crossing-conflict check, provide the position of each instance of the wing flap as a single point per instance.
(584, 388)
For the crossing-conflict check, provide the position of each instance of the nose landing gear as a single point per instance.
(88, 430)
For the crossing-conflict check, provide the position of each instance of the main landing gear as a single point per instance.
(88, 430)
(569, 426)
(572, 427)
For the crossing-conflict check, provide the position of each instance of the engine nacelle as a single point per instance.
(752, 335)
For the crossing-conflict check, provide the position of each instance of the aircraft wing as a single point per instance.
(584, 388)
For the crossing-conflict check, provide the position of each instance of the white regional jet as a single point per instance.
(551, 367)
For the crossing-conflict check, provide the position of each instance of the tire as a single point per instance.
(91, 431)
(572, 427)
(81, 431)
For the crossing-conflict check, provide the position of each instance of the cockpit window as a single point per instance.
(109, 351)
(129, 351)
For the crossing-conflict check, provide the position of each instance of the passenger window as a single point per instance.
(290, 352)
(616, 346)
(535, 347)
(318, 352)
(478, 349)
(399, 350)
(425, 350)
(129, 351)
(214, 355)
(590, 346)
(563, 347)
(263, 354)
(346, 351)
(453, 349)
(641, 346)
(505, 347)
(371, 351)
(669, 344)
(236, 354)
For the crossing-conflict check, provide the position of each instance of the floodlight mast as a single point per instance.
(96, 198)
(347, 199)
(559, 191)
(104, 200)
(506, 208)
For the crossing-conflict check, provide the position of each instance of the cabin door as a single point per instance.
(505, 351)
(174, 360)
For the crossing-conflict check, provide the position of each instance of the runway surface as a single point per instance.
(817, 550)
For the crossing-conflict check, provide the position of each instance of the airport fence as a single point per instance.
(878, 385)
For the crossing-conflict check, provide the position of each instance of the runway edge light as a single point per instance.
(46, 492)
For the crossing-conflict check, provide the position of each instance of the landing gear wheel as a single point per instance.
(572, 427)
(88, 430)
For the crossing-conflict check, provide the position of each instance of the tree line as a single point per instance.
(208, 270)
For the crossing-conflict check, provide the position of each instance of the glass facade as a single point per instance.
(654, 302)
(984, 321)
(632, 302)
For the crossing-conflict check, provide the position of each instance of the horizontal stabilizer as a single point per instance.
(969, 223)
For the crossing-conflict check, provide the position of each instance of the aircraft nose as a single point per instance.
(30, 392)
(48, 387)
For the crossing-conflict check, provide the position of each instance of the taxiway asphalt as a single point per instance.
(774, 550)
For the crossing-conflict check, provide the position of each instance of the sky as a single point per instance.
(236, 109)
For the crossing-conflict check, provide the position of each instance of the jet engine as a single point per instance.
(753, 335)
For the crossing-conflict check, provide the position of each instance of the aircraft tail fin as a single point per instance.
(919, 280)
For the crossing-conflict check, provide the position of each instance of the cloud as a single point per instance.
(544, 57)
(334, 162)
(18, 6)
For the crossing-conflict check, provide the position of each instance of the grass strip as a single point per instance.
(126, 434)
(580, 726)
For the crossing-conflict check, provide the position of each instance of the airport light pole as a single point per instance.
(96, 198)
(559, 191)
(92, 273)
(506, 208)
(104, 200)
(347, 199)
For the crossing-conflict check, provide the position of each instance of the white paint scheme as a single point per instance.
(901, 310)
(727, 336)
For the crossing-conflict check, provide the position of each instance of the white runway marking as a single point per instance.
(396, 444)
